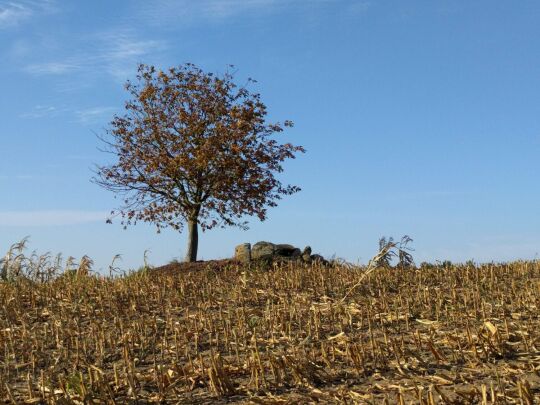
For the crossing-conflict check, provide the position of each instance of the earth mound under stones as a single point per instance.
(271, 252)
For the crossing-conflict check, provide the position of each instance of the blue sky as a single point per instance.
(419, 118)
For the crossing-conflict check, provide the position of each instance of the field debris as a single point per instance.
(220, 333)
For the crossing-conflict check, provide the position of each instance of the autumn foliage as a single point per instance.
(194, 148)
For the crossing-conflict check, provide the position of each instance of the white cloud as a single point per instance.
(85, 116)
(161, 12)
(115, 53)
(121, 50)
(52, 68)
(13, 13)
(40, 111)
(82, 116)
(93, 114)
(51, 218)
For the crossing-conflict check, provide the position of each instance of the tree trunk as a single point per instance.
(193, 240)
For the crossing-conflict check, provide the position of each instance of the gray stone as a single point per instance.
(284, 250)
(263, 250)
(242, 252)
(267, 252)
(318, 259)
(296, 253)
(306, 254)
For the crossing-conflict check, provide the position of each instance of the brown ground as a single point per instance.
(210, 265)
(214, 332)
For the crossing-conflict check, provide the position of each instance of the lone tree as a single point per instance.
(193, 148)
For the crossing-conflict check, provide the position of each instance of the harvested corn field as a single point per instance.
(440, 334)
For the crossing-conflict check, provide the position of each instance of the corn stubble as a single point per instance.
(435, 335)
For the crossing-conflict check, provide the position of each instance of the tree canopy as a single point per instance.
(193, 148)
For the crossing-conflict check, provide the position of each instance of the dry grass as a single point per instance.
(455, 335)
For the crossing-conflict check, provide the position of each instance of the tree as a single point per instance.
(193, 148)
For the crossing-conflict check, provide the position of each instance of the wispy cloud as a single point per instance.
(51, 218)
(121, 50)
(185, 11)
(52, 68)
(115, 53)
(12, 13)
(93, 114)
(41, 111)
(88, 115)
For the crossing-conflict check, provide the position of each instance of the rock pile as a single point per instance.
(271, 252)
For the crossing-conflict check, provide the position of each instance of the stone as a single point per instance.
(284, 250)
(306, 254)
(296, 253)
(263, 250)
(242, 252)
(318, 259)
(267, 252)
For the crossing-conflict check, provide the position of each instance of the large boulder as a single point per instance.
(285, 250)
(242, 253)
(263, 250)
(267, 252)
